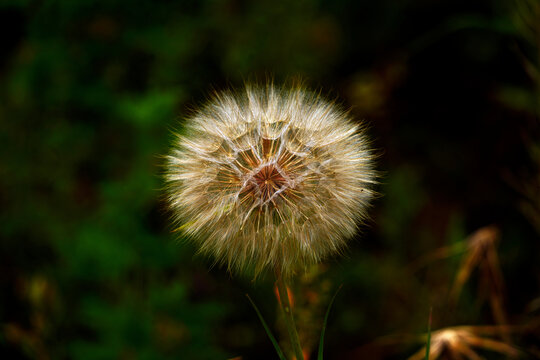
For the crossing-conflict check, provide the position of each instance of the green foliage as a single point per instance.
(428, 341)
(267, 330)
(323, 329)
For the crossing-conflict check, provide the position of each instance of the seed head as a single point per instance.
(270, 178)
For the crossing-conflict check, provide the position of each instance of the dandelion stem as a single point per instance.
(288, 315)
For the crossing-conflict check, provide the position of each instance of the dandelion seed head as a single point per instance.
(270, 178)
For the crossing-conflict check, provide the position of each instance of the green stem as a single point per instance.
(288, 315)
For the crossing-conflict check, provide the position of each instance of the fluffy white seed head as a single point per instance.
(270, 177)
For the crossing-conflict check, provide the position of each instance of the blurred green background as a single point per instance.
(90, 92)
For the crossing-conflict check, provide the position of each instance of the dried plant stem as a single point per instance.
(288, 315)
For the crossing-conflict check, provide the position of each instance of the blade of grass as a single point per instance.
(428, 345)
(267, 329)
(323, 330)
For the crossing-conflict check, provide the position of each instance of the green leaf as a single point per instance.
(267, 329)
(321, 343)
(428, 345)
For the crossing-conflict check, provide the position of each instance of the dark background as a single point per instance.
(90, 92)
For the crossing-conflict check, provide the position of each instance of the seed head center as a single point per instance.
(269, 180)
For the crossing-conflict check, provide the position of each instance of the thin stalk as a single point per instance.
(288, 315)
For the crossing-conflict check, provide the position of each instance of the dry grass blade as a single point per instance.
(478, 244)
(462, 341)
(439, 254)
(493, 345)
(482, 254)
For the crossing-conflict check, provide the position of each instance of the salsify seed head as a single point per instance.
(270, 178)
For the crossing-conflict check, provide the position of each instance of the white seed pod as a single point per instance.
(275, 178)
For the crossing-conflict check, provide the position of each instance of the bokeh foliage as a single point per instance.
(90, 268)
